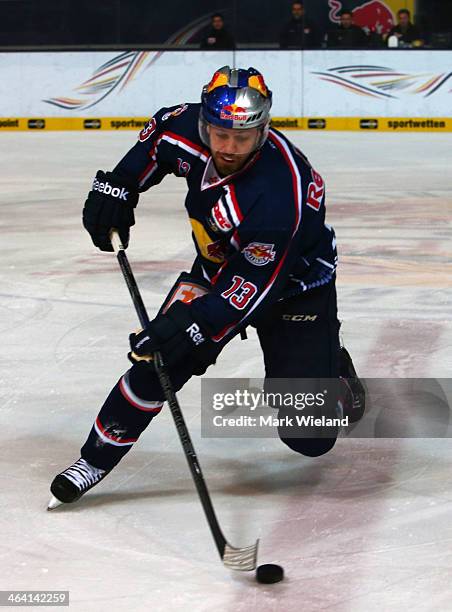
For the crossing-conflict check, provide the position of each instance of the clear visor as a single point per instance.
(232, 142)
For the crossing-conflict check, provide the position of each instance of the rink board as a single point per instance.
(401, 90)
(382, 124)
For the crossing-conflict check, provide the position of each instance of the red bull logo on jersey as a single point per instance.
(216, 251)
(213, 251)
(259, 253)
(232, 112)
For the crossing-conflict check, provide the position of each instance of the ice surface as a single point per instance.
(366, 527)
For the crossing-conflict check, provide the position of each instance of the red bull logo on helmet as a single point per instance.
(232, 112)
(257, 82)
(218, 80)
(259, 253)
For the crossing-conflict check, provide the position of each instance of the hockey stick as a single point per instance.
(243, 559)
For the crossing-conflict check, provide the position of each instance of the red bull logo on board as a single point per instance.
(372, 16)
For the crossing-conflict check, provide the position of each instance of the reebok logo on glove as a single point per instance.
(107, 189)
(195, 334)
(140, 343)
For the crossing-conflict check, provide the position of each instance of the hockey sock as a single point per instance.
(124, 416)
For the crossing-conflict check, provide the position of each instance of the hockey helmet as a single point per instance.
(235, 99)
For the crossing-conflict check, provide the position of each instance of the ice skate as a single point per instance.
(356, 407)
(75, 481)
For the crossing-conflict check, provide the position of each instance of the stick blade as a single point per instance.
(240, 559)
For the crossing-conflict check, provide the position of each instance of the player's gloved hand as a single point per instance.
(110, 205)
(177, 336)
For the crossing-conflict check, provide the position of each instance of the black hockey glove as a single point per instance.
(109, 205)
(178, 337)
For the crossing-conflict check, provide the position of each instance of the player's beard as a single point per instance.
(227, 164)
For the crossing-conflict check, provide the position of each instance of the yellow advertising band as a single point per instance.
(385, 124)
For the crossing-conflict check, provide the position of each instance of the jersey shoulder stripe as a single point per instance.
(185, 143)
(295, 172)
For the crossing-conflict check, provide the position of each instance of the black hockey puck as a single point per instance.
(269, 573)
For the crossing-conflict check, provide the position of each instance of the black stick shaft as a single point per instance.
(173, 403)
(132, 287)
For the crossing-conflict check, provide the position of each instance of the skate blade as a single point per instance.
(54, 503)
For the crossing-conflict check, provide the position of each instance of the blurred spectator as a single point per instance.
(405, 31)
(347, 35)
(218, 37)
(299, 32)
(374, 39)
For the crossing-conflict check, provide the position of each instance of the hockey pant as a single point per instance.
(299, 338)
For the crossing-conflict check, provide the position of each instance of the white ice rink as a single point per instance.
(365, 528)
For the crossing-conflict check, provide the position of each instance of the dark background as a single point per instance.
(153, 22)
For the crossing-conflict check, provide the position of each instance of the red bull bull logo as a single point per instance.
(375, 16)
(259, 253)
(372, 16)
(232, 112)
(257, 82)
(218, 80)
(216, 251)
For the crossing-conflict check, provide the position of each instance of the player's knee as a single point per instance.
(312, 431)
(310, 447)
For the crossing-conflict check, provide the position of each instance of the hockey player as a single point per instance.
(265, 257)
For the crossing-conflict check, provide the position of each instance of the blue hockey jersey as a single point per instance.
(260, 234)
